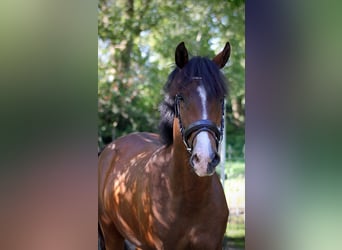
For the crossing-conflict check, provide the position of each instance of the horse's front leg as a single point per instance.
(112, 238)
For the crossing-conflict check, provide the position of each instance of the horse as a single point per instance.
(161, 191)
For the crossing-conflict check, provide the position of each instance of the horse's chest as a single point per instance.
(184, 236)
(178, 228)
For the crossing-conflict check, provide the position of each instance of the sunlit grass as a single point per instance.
(235, 232)
(235, 229)
(234, 187)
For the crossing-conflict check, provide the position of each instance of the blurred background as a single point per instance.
(49, 114)
(136, 45)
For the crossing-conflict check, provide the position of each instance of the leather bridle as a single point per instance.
(198, 126)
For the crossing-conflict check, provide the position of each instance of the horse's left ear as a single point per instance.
(222, 58)
(181, 55)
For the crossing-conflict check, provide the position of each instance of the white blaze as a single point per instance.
(203, 96)
(202, 147)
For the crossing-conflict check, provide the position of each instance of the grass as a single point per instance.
(234, 187)
(235, 233)
(233, 243)
(236, 227)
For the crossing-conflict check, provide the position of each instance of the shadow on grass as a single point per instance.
(233, 243)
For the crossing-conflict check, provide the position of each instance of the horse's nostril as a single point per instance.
(215, 160)
(194, 159)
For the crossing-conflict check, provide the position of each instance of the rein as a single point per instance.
(198, 126)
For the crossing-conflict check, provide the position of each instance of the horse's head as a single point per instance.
(199, 90)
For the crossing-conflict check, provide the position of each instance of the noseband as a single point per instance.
(198, 127)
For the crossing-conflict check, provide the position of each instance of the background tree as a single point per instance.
(137, 39)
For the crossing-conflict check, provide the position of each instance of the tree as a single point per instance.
(137, 39)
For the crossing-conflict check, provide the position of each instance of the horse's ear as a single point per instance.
(181, 55)
(222, 58)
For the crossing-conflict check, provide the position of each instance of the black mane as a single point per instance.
(213, 81)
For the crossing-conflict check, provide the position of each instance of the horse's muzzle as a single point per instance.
(204, 157)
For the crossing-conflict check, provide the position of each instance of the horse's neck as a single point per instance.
(185, 183)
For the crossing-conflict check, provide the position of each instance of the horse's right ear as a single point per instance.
(181, 55)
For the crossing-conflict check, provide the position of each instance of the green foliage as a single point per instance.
(137, 40)
(236, 139)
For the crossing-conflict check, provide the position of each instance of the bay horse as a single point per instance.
(162, 191)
